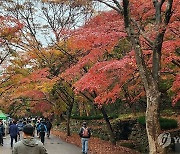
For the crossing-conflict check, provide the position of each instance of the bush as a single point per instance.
(168, 123)
(96, 117)
(113, 116)
(164, 123)
(142, 120)
(128, 145)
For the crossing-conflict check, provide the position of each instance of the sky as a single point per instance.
(46, 36)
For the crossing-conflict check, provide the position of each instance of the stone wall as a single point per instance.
(123, 128)
(139, 136)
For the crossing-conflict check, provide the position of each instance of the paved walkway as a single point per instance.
(54, 146)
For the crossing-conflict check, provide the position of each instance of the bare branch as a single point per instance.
(161, 2)
(168, 12)
(126, 13)
(155, 2)
(177, 63)
(142, 33)
(111, 6)
(118, 5)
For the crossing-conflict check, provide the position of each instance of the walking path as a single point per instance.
(54, 146)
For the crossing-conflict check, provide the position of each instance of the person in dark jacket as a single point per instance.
(29, 145)
(20, 125)
(85, 134)
(42, 130)
(37, 127)
(14, 132)
(1, 133)
(49, 126)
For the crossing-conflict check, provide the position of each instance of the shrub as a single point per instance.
(142, 120)
(128, 145)
(165, 123)
(95, 117)
(168, 123)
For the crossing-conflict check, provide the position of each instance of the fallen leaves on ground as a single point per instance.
(96, 145)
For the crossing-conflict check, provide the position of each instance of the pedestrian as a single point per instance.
(29, 145)
(49, 126)
(1, 133)
(85, 134)
(14, 132)
(37, 127)
(24, 123)
(20, 126)
(42, 131)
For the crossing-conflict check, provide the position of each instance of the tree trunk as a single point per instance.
(110, 130)
(68, 119)
(152, 120)
(109, 127)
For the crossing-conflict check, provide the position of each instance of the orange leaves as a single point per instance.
(169, 48)
(9, 27)
(40, 74)
(98, 36)
(142, 10)
(96, 145)
(102, 32)
(106, 79)
(35, 94)
(176, 89)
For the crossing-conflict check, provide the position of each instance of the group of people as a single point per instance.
(31, 145)
(42, 126)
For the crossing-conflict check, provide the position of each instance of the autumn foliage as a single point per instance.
(103, 65)
(9, 28)
(101, 34)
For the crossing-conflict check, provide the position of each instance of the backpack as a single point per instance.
(1, 129)
(42, 128)
(85, 132)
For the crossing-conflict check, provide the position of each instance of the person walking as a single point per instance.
(29, 145)
(1, 133)
(42, 131)
(20, 126)
(37, 127)
(14, 132)
(49, 126)
(85, 134)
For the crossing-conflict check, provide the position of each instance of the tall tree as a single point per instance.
(146, 25)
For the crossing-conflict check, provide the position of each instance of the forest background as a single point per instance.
(94, 62)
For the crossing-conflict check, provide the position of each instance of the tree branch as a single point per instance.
(142, 33)
(168, 12)
(118, 5)
(176, 63)
(111, 6)
(155, 2)
(161, 2)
